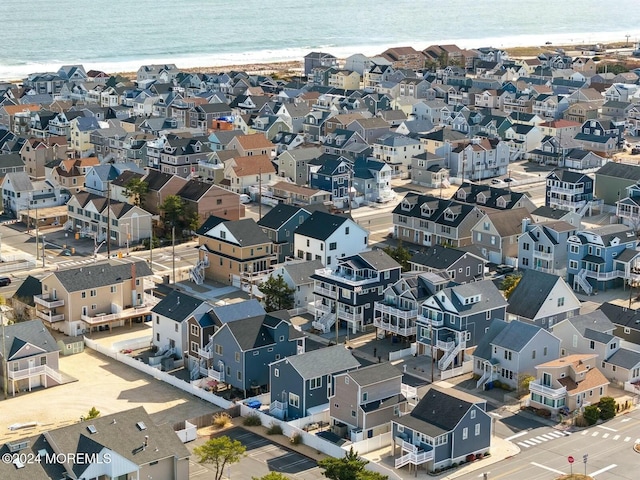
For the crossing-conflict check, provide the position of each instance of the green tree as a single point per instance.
(192, 219)
(509, 284)
(271, 476)
(349, 467)
(523, 382)
(220, 452)
(277, 294)
(400, 255)
(607, 407)
(93, 413)
(172, 209)
(136, 188)
(591, 414)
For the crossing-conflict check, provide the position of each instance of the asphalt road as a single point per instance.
(545, 451)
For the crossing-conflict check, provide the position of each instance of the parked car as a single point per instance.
(496, 181)
(5, 281)
(244, 198)
(509, 180)
(502, 268)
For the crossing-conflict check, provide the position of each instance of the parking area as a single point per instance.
(262, 456)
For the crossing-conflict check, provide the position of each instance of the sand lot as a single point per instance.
(108, 385)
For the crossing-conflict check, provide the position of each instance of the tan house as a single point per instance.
(70, 174)
(8, 114)
(496, 234)
(404, 57)
(37, 152)
(234, 252)
(293, 194)
(94, 297)
(254, 144)
(570, 383)
(240, 173)
(208, 199)
(31, 357)
(345, 80)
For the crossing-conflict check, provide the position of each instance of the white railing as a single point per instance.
(325, 292)
(604, 275)
(415, 458)
(566, 191)
(398, 330)
(49, 317)
(543, 255)
(34, 372)
(325, 322)
(109, 317)
(348, 279)
(408, 391)
(446, 360)
(395, 311)
(536, 387)
(204, 353)
(350, 316)
(581, 278)
(427, 320)
(213, 374)
(46, 301)
(276, 405)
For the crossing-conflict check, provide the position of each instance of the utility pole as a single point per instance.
(5, 374)
(259, 193)
(43, 244)
(627, 37)
(108, 219)
(433, 361)
(126, 226)
(173, 251)
(151, 249)
(37, 233)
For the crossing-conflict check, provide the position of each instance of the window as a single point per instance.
(465, 433)
(237, 356)
(281, 338)
(113, 289)
(472, 415)
(333, 246)
(83, 294)
(346, 231)
(218, 349)
(525, 246)
(315, 383)
(507, 355)
(544, 352)
(353, 413)
(627, 330)
(533, 354)
(573, 264)
(157, 320)
(239, 376)
(574, 248)
(560, 301)
(175, 328)
(194, 346)
(365, 396)
(194, 330)
(294, 400)
(276, 372)
(256, 353)
(592, 345)
(93, 293)
(477, 432)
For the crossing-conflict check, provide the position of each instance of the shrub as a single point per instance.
(296, 439)
(274, 429)
(221, 420)
(252, 421)
(471, 457)
(478, 456)
(591, 414)
(607, 407)
(580, 421)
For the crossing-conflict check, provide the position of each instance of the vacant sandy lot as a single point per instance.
(108, 385)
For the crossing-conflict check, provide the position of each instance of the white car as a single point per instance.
(244, 198)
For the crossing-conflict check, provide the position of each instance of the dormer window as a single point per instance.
(481, 198)
(426, 210)
(449, 215)
(462, 195)
(406, 206)
(502, 203)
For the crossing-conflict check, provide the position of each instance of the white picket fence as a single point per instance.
(188, 433)
(311, 419)
(158, 374)
(466, 367)
(370, 444)
(398, 354)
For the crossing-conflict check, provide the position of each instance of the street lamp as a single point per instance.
(5, 379)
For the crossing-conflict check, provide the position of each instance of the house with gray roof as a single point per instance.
(542, 246)
(458, 265)
(511, 350)
(29, 357)
(279, 224)
(297, 274)
(592, 333)
(453, 320)
(169, 318)
(240, 351)
(542, 298)
(302, 384)
(444, 428)
(364, 401)
(123, 445)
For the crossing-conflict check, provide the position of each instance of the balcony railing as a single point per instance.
(537, 387)
(49, 317)
(398, 330)
(427, 321)
(542, 255)
(124, 314)
(213, 374)
(325, 292)
(202, 353)
(566, 191)
(350, 316)
(354, 280)
(46, 301)
(395, 311)
(605, 275)
(35, 372)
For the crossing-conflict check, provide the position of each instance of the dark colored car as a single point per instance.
(500, 269)
(509, 180)
(4, 281)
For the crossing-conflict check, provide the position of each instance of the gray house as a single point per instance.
(364, 401)
(445, 427)
(30, 355)
(301, 382)
(457, 265)
(510, 350)
(279, 224)
(244, 348)
(297, 275)
(543, 246)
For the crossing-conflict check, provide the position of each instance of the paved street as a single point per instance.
(544, 452)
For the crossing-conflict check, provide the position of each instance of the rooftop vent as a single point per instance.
(17, 446)
(92, 429)
(141, 426)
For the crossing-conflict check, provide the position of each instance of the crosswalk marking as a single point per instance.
(605, 435)
(530, 442)
(540, 437)
(627, 439)
(549, 436)
(595, 434)
(616, 437)
(522, 444)
(585, 432)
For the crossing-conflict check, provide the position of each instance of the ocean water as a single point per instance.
(121, 35)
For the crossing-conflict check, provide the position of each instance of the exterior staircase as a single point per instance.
(413, 455)
(448, 357)
(487, 377)
(196, 274)
(325, 322)
(581, 278)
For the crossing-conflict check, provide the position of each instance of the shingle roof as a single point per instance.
(253, 332)
(33, 332)
(222, 314)
(549, 212)
(324, 361)
(246, 231)
(320, 225)
(595, 321)
(597, 336)
(378, 259)
(438, 257)
(377, 372)
(177, 306)
(532, 291)
(278, 216)
(301, 271)
(625, 317)
(100, 275)
(620, 170)
(484, 350)
(30, 287)
(624, 358)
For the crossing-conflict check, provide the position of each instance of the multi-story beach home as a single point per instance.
(543, 246)
(567, 190)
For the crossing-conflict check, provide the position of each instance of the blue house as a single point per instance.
(279, 224)
(244, 348)
(300, 383)
(568, 190)
(444, 427)
(331, 173)
(602, 258)
(453, 321)
(372, 181)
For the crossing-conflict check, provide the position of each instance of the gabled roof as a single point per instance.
(516, 335)
(253, 332)
(300, 271)
(595, 321)
(246, 231)
(31, 332)
(624, 358)
(532, 291)
(378, 372)
(438, 257)
(483, 349)
(620, 170)
(279, 215)
(321, 225)
(622, 316)
(221, 314)
(100, 275)
(30, 287)
(439, 411)
(508, 222)
(324, 361)
(177, 306)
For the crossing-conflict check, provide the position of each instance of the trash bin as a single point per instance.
(73, 250)
(119, 254)
(77, 236)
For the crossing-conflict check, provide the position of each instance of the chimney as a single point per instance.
(525, 224)
(146, 441)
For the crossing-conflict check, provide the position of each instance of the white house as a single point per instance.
(297, 275)
(20, 194)
(169, 319)
(327, 237)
